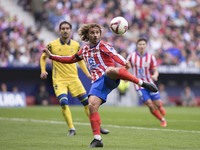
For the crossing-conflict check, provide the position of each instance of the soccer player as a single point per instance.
(100, 58)
(65, 76)
(144, 66)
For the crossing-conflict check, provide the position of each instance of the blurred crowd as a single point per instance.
(19, 45)
(172, 28)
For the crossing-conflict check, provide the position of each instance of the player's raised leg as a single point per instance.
(122, 73)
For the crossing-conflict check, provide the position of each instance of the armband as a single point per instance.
(77, 57)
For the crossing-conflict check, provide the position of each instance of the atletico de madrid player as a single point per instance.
(144, 66)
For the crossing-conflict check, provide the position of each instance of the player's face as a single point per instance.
(94, 35)
(65, 31)
(141, 47)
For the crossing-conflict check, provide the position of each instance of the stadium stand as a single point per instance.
(172, 28)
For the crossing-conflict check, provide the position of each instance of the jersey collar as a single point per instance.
(95, 45)
(141, 55)
(63, 43)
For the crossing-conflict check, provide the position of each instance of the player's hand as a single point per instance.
(89, 76)
(48, 53)
(154, 77)
(43, 75)
(127, 65)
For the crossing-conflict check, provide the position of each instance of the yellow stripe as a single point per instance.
(63, 99)
(84, 99)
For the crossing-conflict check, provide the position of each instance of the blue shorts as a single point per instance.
(146, 95)
(103, 86)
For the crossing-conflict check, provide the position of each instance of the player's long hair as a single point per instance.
(84, 31)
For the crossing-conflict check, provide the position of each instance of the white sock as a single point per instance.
(98, 137)
(140, 82)
(163, 119)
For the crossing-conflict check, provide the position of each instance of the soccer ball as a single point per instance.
(119, 25)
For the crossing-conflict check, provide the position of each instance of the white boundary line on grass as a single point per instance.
(87, 124)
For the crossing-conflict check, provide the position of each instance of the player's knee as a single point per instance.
(63, 99)
(83, 99)
(111, 72)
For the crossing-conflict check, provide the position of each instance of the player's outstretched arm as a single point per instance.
(62, 59)
(44, 73)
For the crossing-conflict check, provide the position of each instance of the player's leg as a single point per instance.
(160, 106)
(98, 95)
(95, 120)
(122, 73)
(83, 98)
(155, 97)
(67, 113)
(77, 90)
(154, 110)
(61, 93)
(145, 97)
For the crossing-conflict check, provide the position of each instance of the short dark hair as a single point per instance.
(65, 22)
(142, 39)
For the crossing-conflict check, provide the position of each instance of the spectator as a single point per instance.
(169, 25)
(15, 89)
(3, 87)
(188, 97)
(164, 95)
(38, 12)
(42, 96)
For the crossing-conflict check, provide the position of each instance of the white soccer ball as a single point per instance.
(119, 25)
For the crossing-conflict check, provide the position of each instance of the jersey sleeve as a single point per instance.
(43, 59)
(49, 47)
(129, 59)
(83, 67)
(79, 54)
(67, 59)
(153, 63)
(109, 50)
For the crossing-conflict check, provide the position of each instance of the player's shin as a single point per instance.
(84, 101)
(157, 114)
(161, 109)
(125, 75)
(95, 122)
(66, 110)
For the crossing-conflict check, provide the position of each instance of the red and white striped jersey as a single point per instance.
(99, 58)
(142, 66)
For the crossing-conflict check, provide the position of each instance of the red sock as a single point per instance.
(125, 75)
(156, 113)
(95, 122)
(161, 109)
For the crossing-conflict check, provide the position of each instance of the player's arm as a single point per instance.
(84, 68)
(154, 69)
(43, 74)
(62, 59)
(117, 57)
(155, 74)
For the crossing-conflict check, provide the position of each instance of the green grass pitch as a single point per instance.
(132, 128)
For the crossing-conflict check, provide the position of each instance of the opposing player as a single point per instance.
(144, 66)
(100, 58)
(65, 77)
